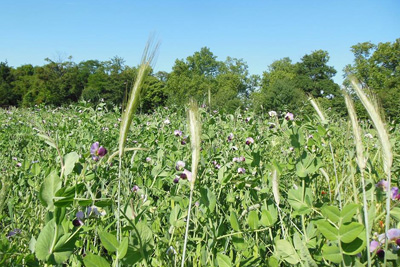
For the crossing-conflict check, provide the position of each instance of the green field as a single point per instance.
(293, 196)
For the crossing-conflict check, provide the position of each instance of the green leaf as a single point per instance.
(123, 248)
(35, 169)
(332, 253)
(328, 230)
(252, 220)
(223, 260)
(287, 252)
(221, 175)
(45, 240)
(266, 218)
(348, 212)
(234, 221)
(63, 249)
(395, 213)
(348, 232)
(69, 162)
(354, 247)
(145, 233)
(95, 261)
(109, 241)
(305, 255)
(208, 199)
(238, 242)
(296, 200)
(331, 212)
(48, 189)
(174, 215)
(32, 244)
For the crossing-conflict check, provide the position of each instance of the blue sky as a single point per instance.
(257, 31)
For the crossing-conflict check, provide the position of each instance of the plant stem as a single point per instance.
(187, 226)
(366, 222)
(336, 177)
(387, 221)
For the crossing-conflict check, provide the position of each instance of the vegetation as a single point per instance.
(97, 184)
(225, 85)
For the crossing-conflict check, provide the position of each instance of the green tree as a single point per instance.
(201, 75)
(279, 91)
(7, 96)
(378, 68)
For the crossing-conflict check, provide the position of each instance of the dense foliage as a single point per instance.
(273, 189)
(225, 85)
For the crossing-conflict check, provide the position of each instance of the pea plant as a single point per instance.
(88, 185)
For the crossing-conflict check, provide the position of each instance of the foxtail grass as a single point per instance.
(361, 164)
(318, 110)
(323, 119)
(195, 133)
(127, 116)
(383, 137)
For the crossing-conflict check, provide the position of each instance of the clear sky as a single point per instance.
(257, 31)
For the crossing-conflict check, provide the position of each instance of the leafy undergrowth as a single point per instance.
(270, 190)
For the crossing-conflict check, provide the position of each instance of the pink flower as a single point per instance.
(180, 165)
(374, 245)
(241, 170)
(383, 184)
(289, 116)
(186, 175)
(249, 140)
(230, 137)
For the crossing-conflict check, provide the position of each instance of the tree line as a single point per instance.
(225, 85)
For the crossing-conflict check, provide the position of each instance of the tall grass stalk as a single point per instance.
(386, 148)
(318, 110)
(127, 116)
(361, 163)
(195, 133)
(324, 121)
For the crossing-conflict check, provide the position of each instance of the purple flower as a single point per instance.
(77, 222)
(373, 245)
(135, 188)
(186, 175)
(241, 170)
(380, 253)
(234, 148)
(393, 234)
(176, 180)
(102, 151)
(249, 140)
(80, 215)
(289, 116)
(271, 125)
(183, 142)
(19, 164)
(395, 193)
(217, 166)
(180, 165)
(383, 184)
(14, 232)
(241, 158)
(97, 150)
(248, 119)
(148, 159)
(230, 137)
(177, 133)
